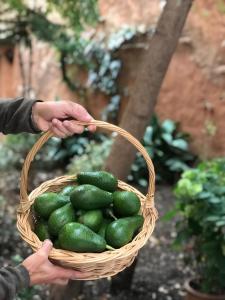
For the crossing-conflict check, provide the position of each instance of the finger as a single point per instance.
(46, 248)
(70, 274)
(59, 125)
(57, 132)
(73, 128)
(92, 128)
(61, 281)
(79, 113)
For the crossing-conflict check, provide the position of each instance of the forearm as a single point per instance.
(15, 116)
(12, 280)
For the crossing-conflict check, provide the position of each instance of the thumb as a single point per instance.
(46, 247)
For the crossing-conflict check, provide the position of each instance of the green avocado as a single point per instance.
(42, 231)
(92, 219)
(104, 180)
(46, 203)
(90, 197)
(60, 217)
(104, 226)
(79, 238)
(121, 231)
(67, 190)
(125, 203)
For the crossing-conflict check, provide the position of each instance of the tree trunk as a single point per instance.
(143, 97)
(144, 92)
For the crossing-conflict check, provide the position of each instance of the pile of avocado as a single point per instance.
(91, 216)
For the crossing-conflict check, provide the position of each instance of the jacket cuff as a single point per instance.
(25, 277)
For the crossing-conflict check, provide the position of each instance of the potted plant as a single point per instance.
(200, 205)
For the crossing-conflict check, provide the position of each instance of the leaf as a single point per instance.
(168, 126)
(148, 135)
(143, 182)
(186, 188)
(214, 200)
(176, 165)
(180, 144)
(220, 223)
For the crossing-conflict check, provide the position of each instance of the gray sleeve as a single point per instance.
(12, 280)
(15, 116)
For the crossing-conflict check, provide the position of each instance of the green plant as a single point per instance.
(56, 153)
(93, 159)
(14, 148)
(200, 204)
(168, 148)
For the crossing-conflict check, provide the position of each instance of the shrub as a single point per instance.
(200, 203)
(169, 150)
(93, 159)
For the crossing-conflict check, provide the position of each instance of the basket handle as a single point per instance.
(24, 201)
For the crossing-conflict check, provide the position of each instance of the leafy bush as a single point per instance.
(14, 148)
(56, 153)
(201, 229)
(168, 148)
(93, 159)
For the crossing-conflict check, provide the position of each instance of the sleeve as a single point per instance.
(16, 116)
(12, 280)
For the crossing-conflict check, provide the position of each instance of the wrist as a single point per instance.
(35, 115)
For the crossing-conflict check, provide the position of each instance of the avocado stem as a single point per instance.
(113, 216)
(109, 247)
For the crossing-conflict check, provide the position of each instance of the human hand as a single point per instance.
(51, 115)
(41, 270)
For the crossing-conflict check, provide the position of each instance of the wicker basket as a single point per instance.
(98, 265)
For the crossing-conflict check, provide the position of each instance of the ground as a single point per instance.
(159, 273)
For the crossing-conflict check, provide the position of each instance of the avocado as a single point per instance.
(60, 217)
(92, 219)
(125, 203)
(79, 238)
(104, 180)
(42, 231)
(121, 231)
(103, 227)
(46, 203)
(67, 190)
(90, 197)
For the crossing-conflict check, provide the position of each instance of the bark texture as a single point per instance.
(150, 74)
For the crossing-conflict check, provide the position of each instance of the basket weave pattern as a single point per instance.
(98, 265)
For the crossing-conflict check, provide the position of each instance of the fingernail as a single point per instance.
(47, 241)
